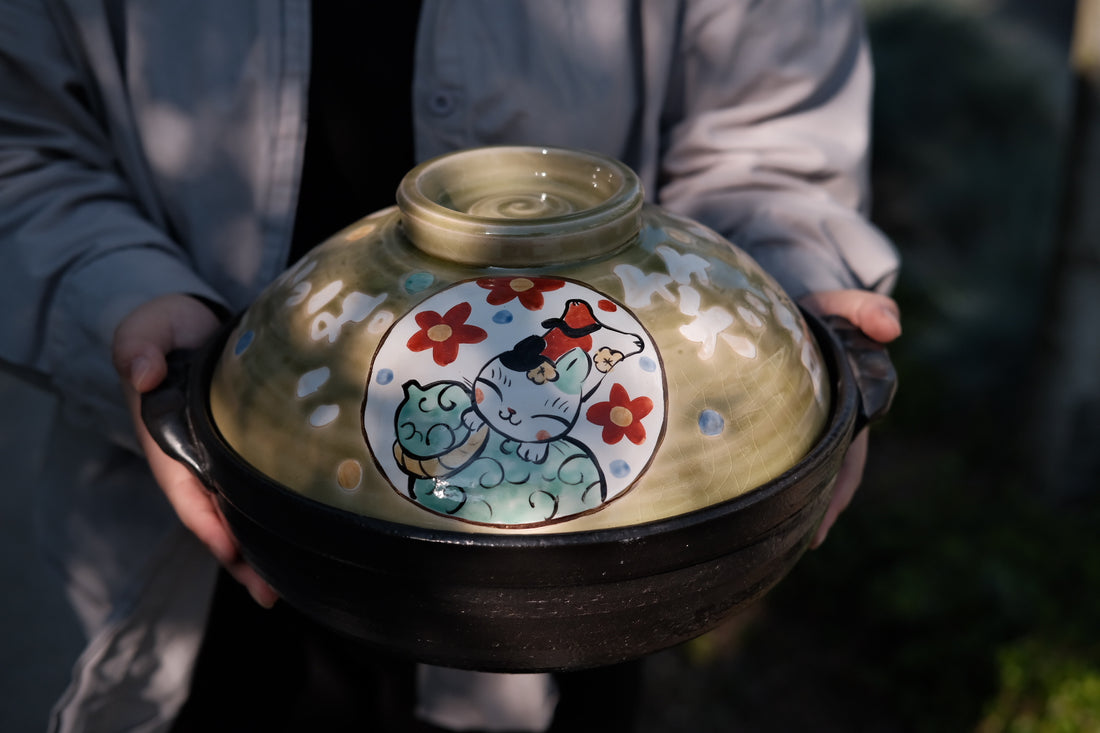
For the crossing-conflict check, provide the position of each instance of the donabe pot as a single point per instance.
(430, 524)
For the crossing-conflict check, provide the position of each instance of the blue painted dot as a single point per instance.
(620, 468)
(502, 317)
(419, 281)
(385, 376)
(711, 423)
(244, 342)
(647, 364)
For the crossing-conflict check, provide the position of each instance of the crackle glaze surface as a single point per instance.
(642, 383)
(719, 387)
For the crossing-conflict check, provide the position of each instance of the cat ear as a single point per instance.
(573, 368)
(413, 391)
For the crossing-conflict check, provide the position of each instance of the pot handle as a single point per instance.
(874, 372)
(166, 415)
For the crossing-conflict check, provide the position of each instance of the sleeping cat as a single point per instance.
(531, 406)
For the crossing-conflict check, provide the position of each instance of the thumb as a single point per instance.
(144, 369)
(152, 330)
(138, 356)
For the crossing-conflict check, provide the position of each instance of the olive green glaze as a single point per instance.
(510, 206)
(736, 391)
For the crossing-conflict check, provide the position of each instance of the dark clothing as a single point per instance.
(360, 141)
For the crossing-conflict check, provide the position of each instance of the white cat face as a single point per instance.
(536, 405)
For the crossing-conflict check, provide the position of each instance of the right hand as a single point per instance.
(877, 316)
(141, 341)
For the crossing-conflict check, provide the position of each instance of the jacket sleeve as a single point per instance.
(79, 249)
(767, 139)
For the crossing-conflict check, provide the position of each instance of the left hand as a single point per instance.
(877, 316)
(142, 341)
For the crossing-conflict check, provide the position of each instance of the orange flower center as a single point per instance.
(440, 332)
(521, 284)
(621, 416)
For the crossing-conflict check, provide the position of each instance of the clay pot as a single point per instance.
(522, 421)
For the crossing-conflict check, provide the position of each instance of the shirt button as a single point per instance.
(441, 103)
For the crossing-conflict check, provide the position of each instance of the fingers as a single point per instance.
(875, 314)
(199, 512)
(847, 481)
(152, 330)
(257, 587)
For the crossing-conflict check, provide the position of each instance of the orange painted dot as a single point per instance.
(521, 284)
(542, 435)
(440, 332)
(479, 396)
(621, 416)
(349, 474)
(607, 305)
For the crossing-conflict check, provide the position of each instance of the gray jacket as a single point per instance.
(155, 147)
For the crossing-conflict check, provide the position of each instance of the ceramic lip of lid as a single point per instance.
(520, 206)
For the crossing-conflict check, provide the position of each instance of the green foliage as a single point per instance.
(1046, 687)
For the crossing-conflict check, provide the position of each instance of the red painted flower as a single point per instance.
(529, 290)
(444, 334)
(621, 416)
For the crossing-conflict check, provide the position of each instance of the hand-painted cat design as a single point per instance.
(525, 433)
(532, 394)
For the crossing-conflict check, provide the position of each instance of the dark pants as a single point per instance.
(275, 670)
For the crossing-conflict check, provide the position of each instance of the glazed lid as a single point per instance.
(522, 345)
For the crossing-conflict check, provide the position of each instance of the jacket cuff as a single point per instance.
(92, 300)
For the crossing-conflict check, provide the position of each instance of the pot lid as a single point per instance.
(522, 346)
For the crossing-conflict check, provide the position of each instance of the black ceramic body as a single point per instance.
(499, 602)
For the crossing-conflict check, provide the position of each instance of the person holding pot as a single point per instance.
(161, 163)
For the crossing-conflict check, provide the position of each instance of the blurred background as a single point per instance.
(961, 591)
